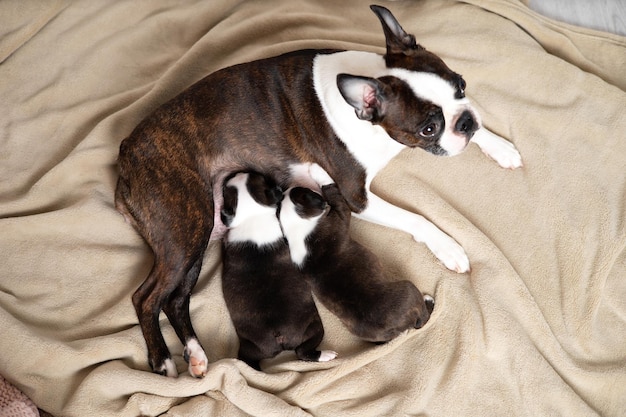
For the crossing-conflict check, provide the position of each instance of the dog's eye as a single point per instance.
(429, 130)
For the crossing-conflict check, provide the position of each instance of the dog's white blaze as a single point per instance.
(253, 222)
(296, 229)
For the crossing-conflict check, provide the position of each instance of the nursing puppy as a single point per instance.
(345, 276)
(349, 111)
(267, 297)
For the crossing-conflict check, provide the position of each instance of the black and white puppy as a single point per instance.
(347, 277)
(267, 297)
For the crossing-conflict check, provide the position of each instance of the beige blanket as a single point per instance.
(538, 328)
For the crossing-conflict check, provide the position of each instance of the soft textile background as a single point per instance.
(536, 329)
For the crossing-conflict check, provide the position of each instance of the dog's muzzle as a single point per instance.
(466, 124)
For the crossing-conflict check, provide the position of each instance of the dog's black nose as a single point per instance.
(465, 123)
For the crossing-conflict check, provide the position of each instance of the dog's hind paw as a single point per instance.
(167, 368)
(195, 356)
(327, 355)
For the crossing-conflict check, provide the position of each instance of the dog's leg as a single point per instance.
(381, 212)
(446, 249)
(148, 301)
(175, 218)
(177, 311)
(307, 350)
(251, 354)
(499, 149)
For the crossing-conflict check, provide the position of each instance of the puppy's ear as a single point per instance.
(264, 189)
(307, 202)
(274, 194)
(365, 94)
(396, 39)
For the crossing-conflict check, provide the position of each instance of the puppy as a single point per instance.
(345, 276)
(268, 298)
(349, 111)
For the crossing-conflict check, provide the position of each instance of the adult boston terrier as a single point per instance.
(350, 112)
(267, 296)
(346, 276)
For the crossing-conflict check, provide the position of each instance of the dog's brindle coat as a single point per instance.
(263, 116)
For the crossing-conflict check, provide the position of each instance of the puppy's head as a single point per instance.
(300, 212)
(246, 195)
(420, 102)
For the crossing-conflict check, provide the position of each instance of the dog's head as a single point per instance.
(247, 195)
(420, 102)
(300, 212)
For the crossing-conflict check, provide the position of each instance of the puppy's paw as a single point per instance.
(167, 368)
(327, 355)
(500, 150)
(319, 175)
(430, 303)
(450, 253)
(195, 356)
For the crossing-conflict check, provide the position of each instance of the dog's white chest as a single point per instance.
(368, 143)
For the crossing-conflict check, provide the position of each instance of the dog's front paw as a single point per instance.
(327, 355)
(505, 154)
(195, 356)
(450, 253)
(319, 175)
(500, 150)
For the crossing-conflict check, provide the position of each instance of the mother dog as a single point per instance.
(350, 112)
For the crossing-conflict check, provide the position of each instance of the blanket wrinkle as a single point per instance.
(585, 48)
(535, 329)
(21, 21)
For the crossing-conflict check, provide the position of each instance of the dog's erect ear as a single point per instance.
(364, 94)
(397, 40)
